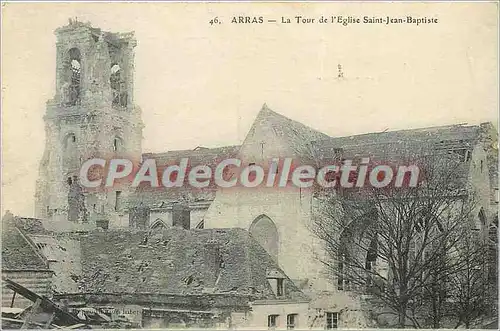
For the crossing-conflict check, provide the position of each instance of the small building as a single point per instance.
(23, 263)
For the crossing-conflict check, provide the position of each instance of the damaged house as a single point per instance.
(23, 263)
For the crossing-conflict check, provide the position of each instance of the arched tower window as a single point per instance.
(482, 220)
(70, 142)
(118, 88)
(371, 258)
(117, 145)
(342, 281)
(71, 88)
(265, 232)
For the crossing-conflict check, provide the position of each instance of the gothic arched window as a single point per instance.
(117, 145)
(342, 266)
(159, 224)
(482, 220)
(71, 87)
(371, 258)
(70, 141)
(70, 146)
(118, 88)
(265, 232)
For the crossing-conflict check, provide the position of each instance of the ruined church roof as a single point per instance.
(305, 140)
(289, 127)
(30, 225)
(398, 145)
(38, 226)
(312, 146)
(181, 262)
(18, 251)
(298, 135)
(198, 156)
(445, 132)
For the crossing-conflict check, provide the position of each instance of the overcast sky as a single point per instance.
(202, 85)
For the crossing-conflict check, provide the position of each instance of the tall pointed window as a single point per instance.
(341, 271)
(482, 220)
(342, 260)
(71, 87)
(371, 258)
(118, 87)
(118, 201)
(265, 232)
(70, 142)
(117, 145)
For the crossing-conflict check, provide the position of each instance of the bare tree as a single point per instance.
(469, 287)
(460, 292)
(394, 243)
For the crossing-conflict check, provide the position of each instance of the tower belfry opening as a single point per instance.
(71, 87)
(118, 86)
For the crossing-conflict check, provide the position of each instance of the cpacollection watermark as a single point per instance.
(278, 172)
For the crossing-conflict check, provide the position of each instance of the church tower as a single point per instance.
(91, 115)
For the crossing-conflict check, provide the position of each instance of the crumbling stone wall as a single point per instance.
(91, 127)
(76, 202)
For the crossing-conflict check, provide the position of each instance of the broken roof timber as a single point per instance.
(61, 317)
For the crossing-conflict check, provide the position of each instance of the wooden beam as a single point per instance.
(49, 321)
(34, 310)
(13, 298)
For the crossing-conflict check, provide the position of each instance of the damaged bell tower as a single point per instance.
(91, 115)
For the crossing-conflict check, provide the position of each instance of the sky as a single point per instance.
(202, 85)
